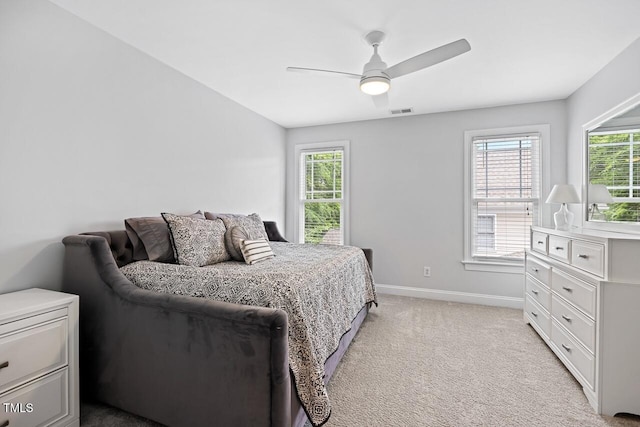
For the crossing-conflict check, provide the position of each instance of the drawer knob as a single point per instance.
(566, 347)
(568, 319)
(533, 291)
(559, 248)
(534, 314)
(535, 270)
(567, 289)
(4, 365)
(540, 242)
(583, 256)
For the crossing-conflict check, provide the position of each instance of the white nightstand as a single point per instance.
(39, 359)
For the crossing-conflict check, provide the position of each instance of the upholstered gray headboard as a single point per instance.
(119, 243)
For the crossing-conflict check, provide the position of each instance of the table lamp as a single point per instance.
(563, 193)
(598, 193)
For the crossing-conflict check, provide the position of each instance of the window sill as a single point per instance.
(495, 267)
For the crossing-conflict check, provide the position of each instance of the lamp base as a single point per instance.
(563, 219)
(596, 215)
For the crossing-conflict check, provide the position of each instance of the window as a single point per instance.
(614, 161)
(322, 193)
(486, 232)
(502, 195)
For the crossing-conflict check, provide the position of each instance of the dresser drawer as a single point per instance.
(577, 292)
(538, 292)
(38, 403)
(539, 270)
(575, 322)
(32, 351)
(539, 242)
(580, 359)
(538, 316)
(588, 256)
(559, 248)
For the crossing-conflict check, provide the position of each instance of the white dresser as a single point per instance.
(582, 295)
(39, 359)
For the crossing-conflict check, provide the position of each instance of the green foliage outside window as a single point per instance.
(323, 184)
(319, 219)
(612, 164)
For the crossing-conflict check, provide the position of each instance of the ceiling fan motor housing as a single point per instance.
(374, 80)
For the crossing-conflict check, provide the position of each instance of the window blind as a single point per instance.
(505, 194)
(614, 160)
(322, 196)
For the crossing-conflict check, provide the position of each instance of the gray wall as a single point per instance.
(611, 86)
(407, 191)
(93, 131)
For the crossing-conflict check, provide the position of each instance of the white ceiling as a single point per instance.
(521, 50)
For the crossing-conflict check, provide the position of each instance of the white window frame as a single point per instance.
(298, 215)
(544, 130)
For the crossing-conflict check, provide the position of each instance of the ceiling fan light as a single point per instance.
(375, 85)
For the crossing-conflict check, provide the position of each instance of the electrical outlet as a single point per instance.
(427, 272)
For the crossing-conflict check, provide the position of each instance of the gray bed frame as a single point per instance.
(177, 360)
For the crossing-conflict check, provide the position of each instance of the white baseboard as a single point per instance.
(464, 297)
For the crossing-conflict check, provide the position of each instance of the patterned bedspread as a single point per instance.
(321, 287)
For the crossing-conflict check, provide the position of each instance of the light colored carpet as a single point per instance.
(418, 362)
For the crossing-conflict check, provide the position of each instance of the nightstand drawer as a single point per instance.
(540, 271)
(32, 349)
(588, 257)
(580, 359)
(538, 315)
(575, 322)
(559, 248)
(38, 403)
(538, 293)
(577, 292)
(539, 242)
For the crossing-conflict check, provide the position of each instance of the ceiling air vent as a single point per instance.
(402, 111)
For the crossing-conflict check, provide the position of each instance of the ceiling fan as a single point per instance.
(376, 77)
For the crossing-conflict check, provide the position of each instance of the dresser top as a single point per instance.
(588, 233)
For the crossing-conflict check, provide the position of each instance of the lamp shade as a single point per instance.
(563, 193)
(598, 193)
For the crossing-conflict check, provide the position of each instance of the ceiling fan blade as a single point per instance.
(429, 58)
(324, 72)
(381, 101)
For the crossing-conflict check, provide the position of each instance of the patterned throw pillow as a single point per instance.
(150, 238)
(252, 226)
(255, 251)
(197, 242)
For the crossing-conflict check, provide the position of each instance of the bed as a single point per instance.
(227, 344)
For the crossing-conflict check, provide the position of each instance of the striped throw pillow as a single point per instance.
(256, 250)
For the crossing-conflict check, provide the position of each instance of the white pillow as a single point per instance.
(255, 251)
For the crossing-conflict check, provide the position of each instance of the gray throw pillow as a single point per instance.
(233, 239)
(150, 238)
(197, 242)
(252, 226)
